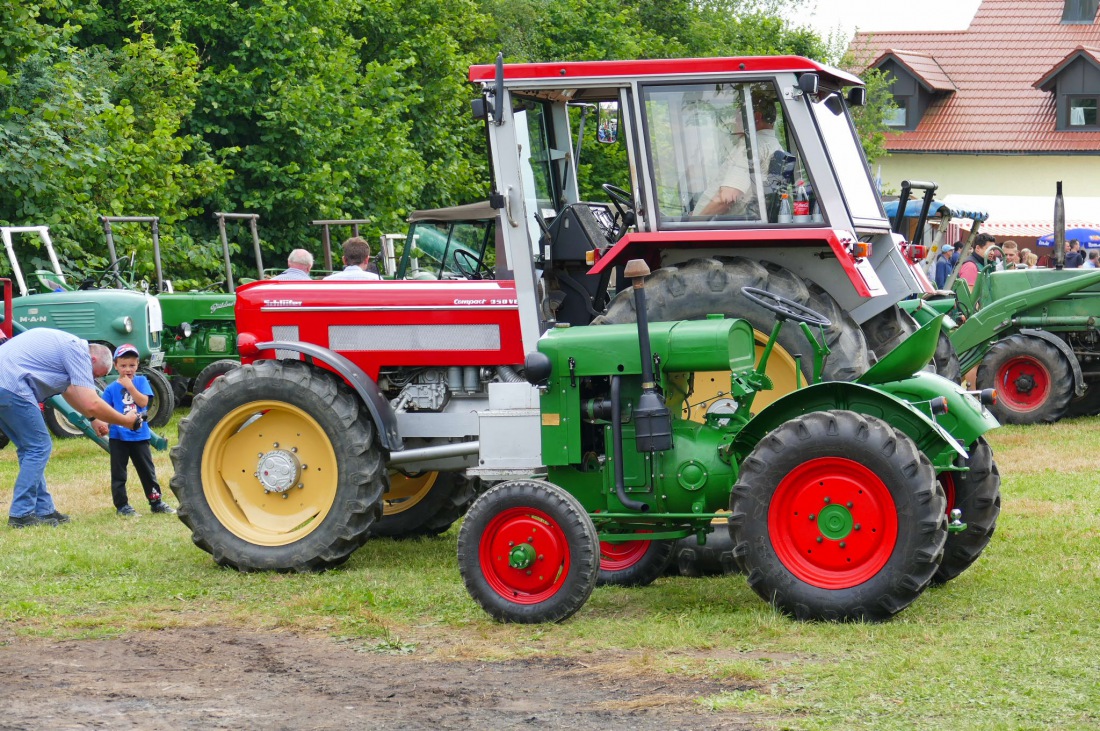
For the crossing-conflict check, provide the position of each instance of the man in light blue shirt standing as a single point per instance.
(34, 366)
(356, 256)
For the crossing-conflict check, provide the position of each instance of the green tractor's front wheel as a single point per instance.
(278, 468)
(838, 516)
(163, 401)
(528, 552)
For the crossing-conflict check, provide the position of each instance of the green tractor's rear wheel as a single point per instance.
(1033, 379)
(424, 504)
(163, 401)
(633, 563)
(278, 468)
(977, 494)
(59, 424)
(838, 516)
(207, 375)
(528, 552)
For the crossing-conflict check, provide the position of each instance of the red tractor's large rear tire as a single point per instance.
(528, 552)
(977, 494)
(1034, 381)
(838, 516)
(278, 468)
(695, 289)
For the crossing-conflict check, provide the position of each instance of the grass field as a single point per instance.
(1014, 643)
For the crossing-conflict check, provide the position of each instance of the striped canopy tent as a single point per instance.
(1021, 216)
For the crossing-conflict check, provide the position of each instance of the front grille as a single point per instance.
(343, 338)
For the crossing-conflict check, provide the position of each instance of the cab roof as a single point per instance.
(577, 70)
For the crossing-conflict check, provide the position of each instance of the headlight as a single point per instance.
(125, 324)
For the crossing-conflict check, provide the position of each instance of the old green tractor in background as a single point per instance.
(1031, 333)
(94, 305)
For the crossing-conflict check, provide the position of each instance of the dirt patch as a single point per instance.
(221, 678)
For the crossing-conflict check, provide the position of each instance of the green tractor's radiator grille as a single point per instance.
(73, 319)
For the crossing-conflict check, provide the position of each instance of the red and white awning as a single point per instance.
(1023, 216)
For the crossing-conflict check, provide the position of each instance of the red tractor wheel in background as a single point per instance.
(528, 552)
(977, 494)
(633, 563)
(1033, 379)
(838, 516)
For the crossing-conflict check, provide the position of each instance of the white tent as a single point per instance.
(1026, 215)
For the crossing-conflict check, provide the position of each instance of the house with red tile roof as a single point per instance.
(1004, 108)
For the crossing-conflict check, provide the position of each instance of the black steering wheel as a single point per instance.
(785, 308)
(112, 275)
(469, 265)
(624, 210)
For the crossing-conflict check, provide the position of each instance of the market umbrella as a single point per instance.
(1089, 238)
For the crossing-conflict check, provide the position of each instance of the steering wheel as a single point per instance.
(104, 278)
(624, 210)
(468, 265)
(990, 259)
(785, 308)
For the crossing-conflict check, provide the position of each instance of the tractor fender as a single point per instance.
(1064, 349)
(380, 410)
(902, 404)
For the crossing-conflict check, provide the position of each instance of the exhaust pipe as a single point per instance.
(1059, 229)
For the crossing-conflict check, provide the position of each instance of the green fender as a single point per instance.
(903, 404)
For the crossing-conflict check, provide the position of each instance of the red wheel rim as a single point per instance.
(520, 578)
(947, 481)
(620, 556)
(1023, 383)
(833, 523)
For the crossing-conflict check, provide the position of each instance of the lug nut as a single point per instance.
(828, 500)
(819, 539)
(811, 516)
(849, 503)
(842, 544)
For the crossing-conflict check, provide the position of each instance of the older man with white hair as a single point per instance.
(298, 263)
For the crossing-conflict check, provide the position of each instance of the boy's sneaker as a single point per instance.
(127, 512)
(25, 521)
(162, 507)
(55, 518)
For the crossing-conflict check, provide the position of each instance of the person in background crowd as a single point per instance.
(1074, 257)
(955, 254)
(34, 366)
(1032, 260)
(356, 257)
(943, 266)
(1012, 254)
(1093, 262)
(298, 264)
(974, 263)
(1025, 253)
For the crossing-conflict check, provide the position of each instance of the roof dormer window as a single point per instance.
(1079, 11)
(916, 80)
(1082, 112)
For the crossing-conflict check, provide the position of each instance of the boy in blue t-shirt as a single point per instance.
(130, 395)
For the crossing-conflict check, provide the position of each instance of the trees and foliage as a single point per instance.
(294, 109)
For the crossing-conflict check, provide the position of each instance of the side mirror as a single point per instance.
(607, 123)
(857, 96)
(809, 83)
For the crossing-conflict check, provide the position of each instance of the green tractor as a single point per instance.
(89, 305)
(839, 493)
(1031, 333)
(203, 341)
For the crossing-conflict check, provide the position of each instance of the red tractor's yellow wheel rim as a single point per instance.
(406, 492)
(269, 473)
(710, 386)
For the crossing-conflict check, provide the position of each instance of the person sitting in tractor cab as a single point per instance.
(356, 256)
(298, 264)
(735, 192)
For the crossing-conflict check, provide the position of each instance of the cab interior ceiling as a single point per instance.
(600, 94)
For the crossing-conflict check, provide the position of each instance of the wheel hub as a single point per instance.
(835, 522)
(1025, 384)
(279, 470)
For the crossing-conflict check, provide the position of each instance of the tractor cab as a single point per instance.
(451, 243)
